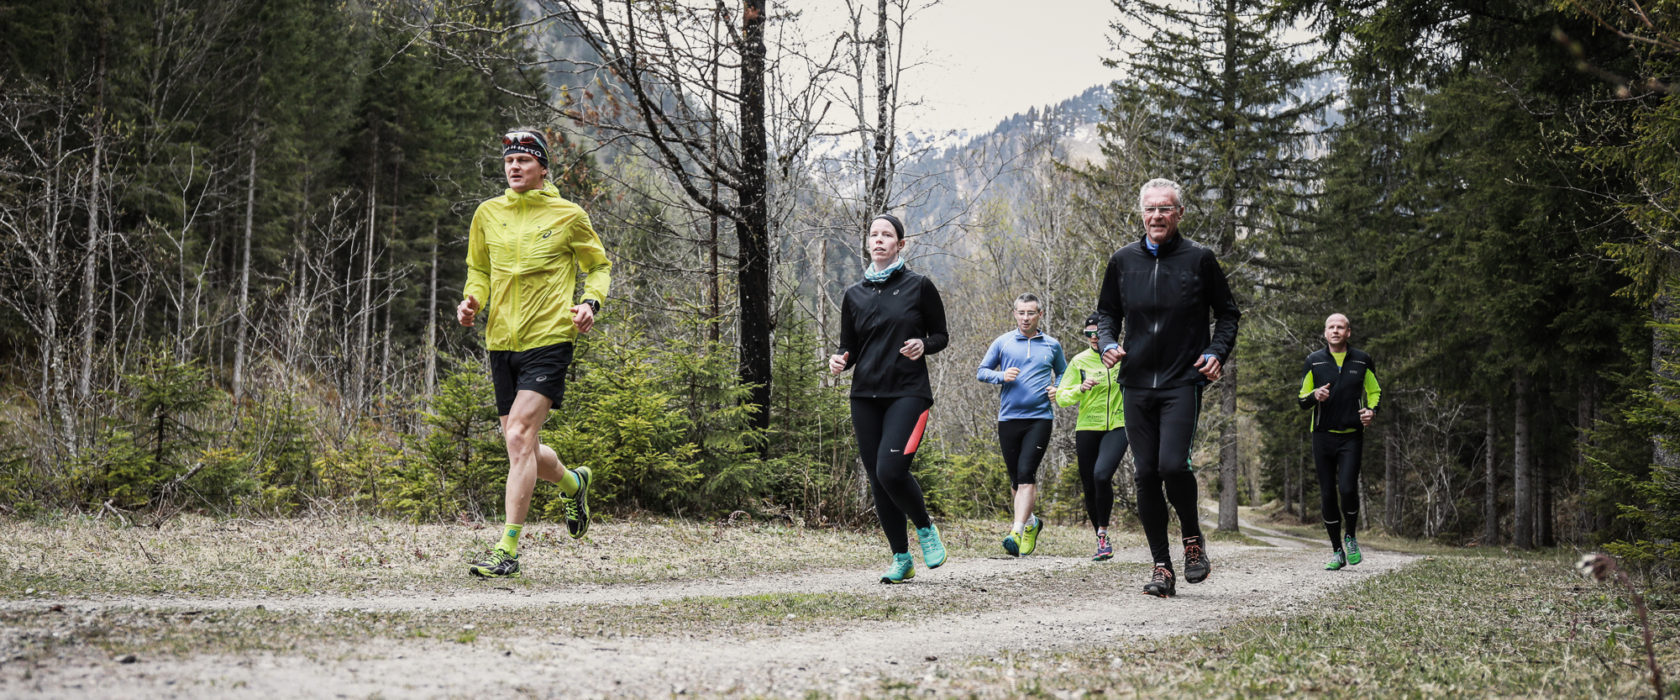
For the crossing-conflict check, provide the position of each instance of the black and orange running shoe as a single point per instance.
(1161, 584)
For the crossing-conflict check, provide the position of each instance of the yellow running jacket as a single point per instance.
(524, 254)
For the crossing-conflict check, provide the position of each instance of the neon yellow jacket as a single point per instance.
(524, 254)
(1101, 407)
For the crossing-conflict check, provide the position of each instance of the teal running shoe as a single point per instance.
(933, 549)
(903, 569)
(498, 564)
(1029, 536)
(1336, 563)
(577, 505)
(1012, 543)
(1351, 545)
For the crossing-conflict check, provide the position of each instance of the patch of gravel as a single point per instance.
(846, 659)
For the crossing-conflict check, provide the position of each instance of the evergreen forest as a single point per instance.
(232, 238)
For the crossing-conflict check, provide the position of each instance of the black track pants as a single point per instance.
(1337, 457)
(1099, 452)
(1024, 442)
(888, 432)
(1160, 424)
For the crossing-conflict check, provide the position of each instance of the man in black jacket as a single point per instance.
(1340, 385)
(1160, 290)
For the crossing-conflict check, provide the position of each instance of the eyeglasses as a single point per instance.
(1160, 210)
(523, 138)
(1090, 334)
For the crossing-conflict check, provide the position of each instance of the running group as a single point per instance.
(1151, 354)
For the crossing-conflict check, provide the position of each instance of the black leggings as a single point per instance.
(1024, 441)
(1337, 457)
(1160, 424)
(888, 432)
(1099, 452)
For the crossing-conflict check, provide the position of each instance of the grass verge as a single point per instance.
(1459, 626)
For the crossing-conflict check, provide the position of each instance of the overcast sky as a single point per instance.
(988, 59)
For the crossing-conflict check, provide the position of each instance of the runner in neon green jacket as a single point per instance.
(524, 253)
(1100, 435)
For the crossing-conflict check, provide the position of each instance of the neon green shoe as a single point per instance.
(933, 549)
(1029, 536)
(1012, 544)
(903, 569)
(498, 564)
(1336, 563)
(577, 505)
(1352, 546)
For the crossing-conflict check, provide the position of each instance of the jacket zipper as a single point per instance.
(1155, 324)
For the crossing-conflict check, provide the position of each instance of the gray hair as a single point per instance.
(1161, 183)
(1029, 297)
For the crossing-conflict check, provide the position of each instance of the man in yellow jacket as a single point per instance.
(524, 253)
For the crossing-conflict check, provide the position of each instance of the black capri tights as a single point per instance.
(888, 432)
(1100, 452)
(1024, 441)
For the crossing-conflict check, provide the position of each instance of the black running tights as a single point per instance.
(1160, 424)
(888, 432)
(1099, 452)
(1337, 457)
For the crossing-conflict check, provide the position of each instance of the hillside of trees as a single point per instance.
(235, 233)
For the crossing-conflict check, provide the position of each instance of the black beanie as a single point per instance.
(1093, 320)
(538, 151)
(898, 226)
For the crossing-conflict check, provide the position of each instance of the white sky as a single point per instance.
(984, 60)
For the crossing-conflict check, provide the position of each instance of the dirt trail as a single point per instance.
(846, 658)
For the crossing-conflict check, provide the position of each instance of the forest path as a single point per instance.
(1028, 606)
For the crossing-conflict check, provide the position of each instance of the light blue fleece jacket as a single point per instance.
(1042, 363)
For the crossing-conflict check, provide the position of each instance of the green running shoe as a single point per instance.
(1012, 544)
(577, 506)
(1336, 563)
(903, 569)
(1352, 546)
(933, 550)
(1029, 536)
(499, 564)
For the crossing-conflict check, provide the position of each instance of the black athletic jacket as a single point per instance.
(1352, 386)
(1162, 303)
(876, 319)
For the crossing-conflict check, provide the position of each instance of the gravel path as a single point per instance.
(1100, 604)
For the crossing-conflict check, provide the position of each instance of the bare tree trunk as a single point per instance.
(714, 281)
(1543, 504)
(364, 317)
(1301, 487)
(1288, 485)
(432, 320)
(1663, 362)
(1228, 451)
(1490, 502)
(884, 136)
(1391, 480)
(244, 320)
(1522, 468)
(753, 228)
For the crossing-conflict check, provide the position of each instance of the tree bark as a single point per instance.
(884, 136)
(1228, 450)
(1522, 470)
(1490, 500)
(753, 227)
(432, 320)
(1391, 480)
(243, 321)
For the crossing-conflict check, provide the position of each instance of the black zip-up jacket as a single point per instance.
(1339, 413)
(876, 319)
(1162, 303)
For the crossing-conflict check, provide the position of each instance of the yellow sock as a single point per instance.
(568, 482)
(510, 538)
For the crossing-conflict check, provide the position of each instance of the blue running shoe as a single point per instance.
(1012, 544)
(903, 569)
(933, 549)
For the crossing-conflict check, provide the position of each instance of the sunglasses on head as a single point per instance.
(523, 138)
(1090, 334)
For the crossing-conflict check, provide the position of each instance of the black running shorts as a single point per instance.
(542, 370)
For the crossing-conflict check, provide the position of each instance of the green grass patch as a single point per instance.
(1444, 626)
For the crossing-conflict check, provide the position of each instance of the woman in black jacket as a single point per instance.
(889, 322)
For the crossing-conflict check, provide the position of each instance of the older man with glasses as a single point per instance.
(1161, 290)
(525, 251)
